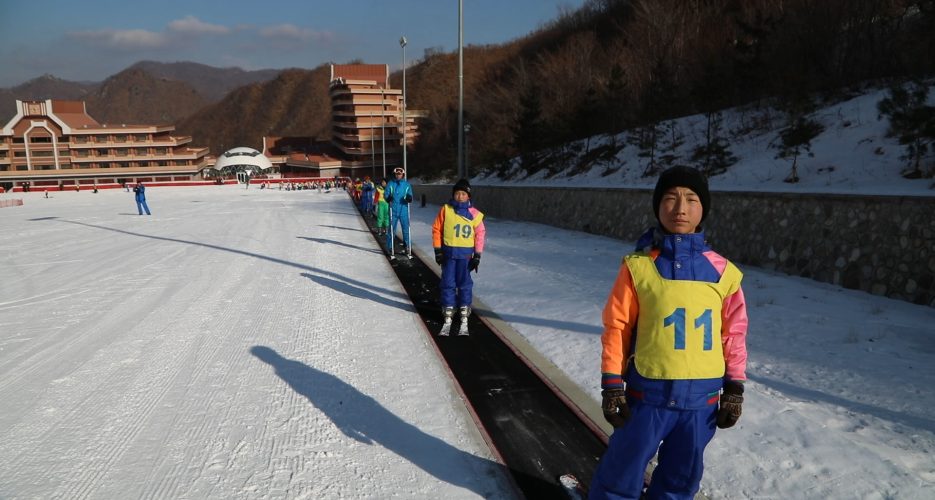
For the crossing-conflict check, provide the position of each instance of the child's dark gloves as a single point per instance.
(407, 198)
(389, 198)
(474, 262)
(614, 405)
(439, 256)
(731, 405)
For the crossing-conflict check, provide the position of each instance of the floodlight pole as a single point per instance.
(461, 173)
(383, 128)
(402, 43)
(373, 151)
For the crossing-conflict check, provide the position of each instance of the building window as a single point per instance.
(120, 138)
(80, 139)
(103, 152)
(121, 151)
(43, 154)
(159, 151)
(40, 140)
(140, 137)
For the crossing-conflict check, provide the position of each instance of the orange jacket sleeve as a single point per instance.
(437, 227)
(619, 318)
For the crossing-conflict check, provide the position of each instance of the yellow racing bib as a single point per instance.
(458, 231)
(679, 327)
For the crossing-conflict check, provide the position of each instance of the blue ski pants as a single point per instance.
(456, 285)
(684, 434)
(141, 205)
(398, 214)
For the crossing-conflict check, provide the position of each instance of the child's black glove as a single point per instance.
(474, 262)
(439, 256)
(389, 198)
(407, 199)
(731, 405)
(614, 406)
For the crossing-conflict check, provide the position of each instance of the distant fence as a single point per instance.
(10, 203)
(884, 245)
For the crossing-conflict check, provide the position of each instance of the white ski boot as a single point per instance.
(463, 327)
(448, 313)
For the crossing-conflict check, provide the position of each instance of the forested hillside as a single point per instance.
(614, 65)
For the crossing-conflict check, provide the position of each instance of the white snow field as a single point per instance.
(246, 343)
(235, 344)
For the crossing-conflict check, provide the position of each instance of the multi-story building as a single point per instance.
(366, 127)
(56, 145)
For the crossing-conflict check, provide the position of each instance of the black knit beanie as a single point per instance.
(462, 185)
(688, 177)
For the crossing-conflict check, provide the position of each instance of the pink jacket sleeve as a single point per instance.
(480, 234)
(734, 335)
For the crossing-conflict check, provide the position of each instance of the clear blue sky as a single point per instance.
(91, 40)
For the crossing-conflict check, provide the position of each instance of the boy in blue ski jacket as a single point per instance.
(458, 236)
(674, 353)
(398, 194)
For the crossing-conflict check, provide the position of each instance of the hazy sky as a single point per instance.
(91, 40)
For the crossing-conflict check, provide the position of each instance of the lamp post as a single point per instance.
(467, 130)
(402, 43)
(383, 128)
(461, 172)
(373, 152)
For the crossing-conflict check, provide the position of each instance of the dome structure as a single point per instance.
(243, 157)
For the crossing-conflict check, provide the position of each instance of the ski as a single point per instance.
(572, 487)
(446, 328)
(463, 328)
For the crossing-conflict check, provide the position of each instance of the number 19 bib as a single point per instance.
(458, 231)
(678, 333)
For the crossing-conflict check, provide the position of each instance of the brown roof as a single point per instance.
(73, 114)
(377, 72)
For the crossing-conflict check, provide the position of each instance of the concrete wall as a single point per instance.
(884, 245)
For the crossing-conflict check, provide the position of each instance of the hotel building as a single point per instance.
(366, 128)
(55, 145)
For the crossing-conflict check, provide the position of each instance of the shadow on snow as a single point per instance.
(363, 419)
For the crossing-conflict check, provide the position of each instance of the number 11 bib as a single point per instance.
(678, 333)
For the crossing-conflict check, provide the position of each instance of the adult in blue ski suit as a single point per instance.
(141, 205)
(398, 194)
(366, 197)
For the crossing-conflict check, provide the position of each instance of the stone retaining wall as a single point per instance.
(883, 245)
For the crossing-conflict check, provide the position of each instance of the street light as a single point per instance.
(383, 128)
(402, 43)
(461, 172)
(373, 152)
(467, 130)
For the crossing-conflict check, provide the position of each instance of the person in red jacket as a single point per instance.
(674, 349)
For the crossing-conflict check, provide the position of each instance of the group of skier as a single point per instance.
(673, 360)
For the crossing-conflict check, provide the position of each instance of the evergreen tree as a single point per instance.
(912, 122)
(671, 140)
(645, 139)
(795, 140)
(714, 156)
(529, 128)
